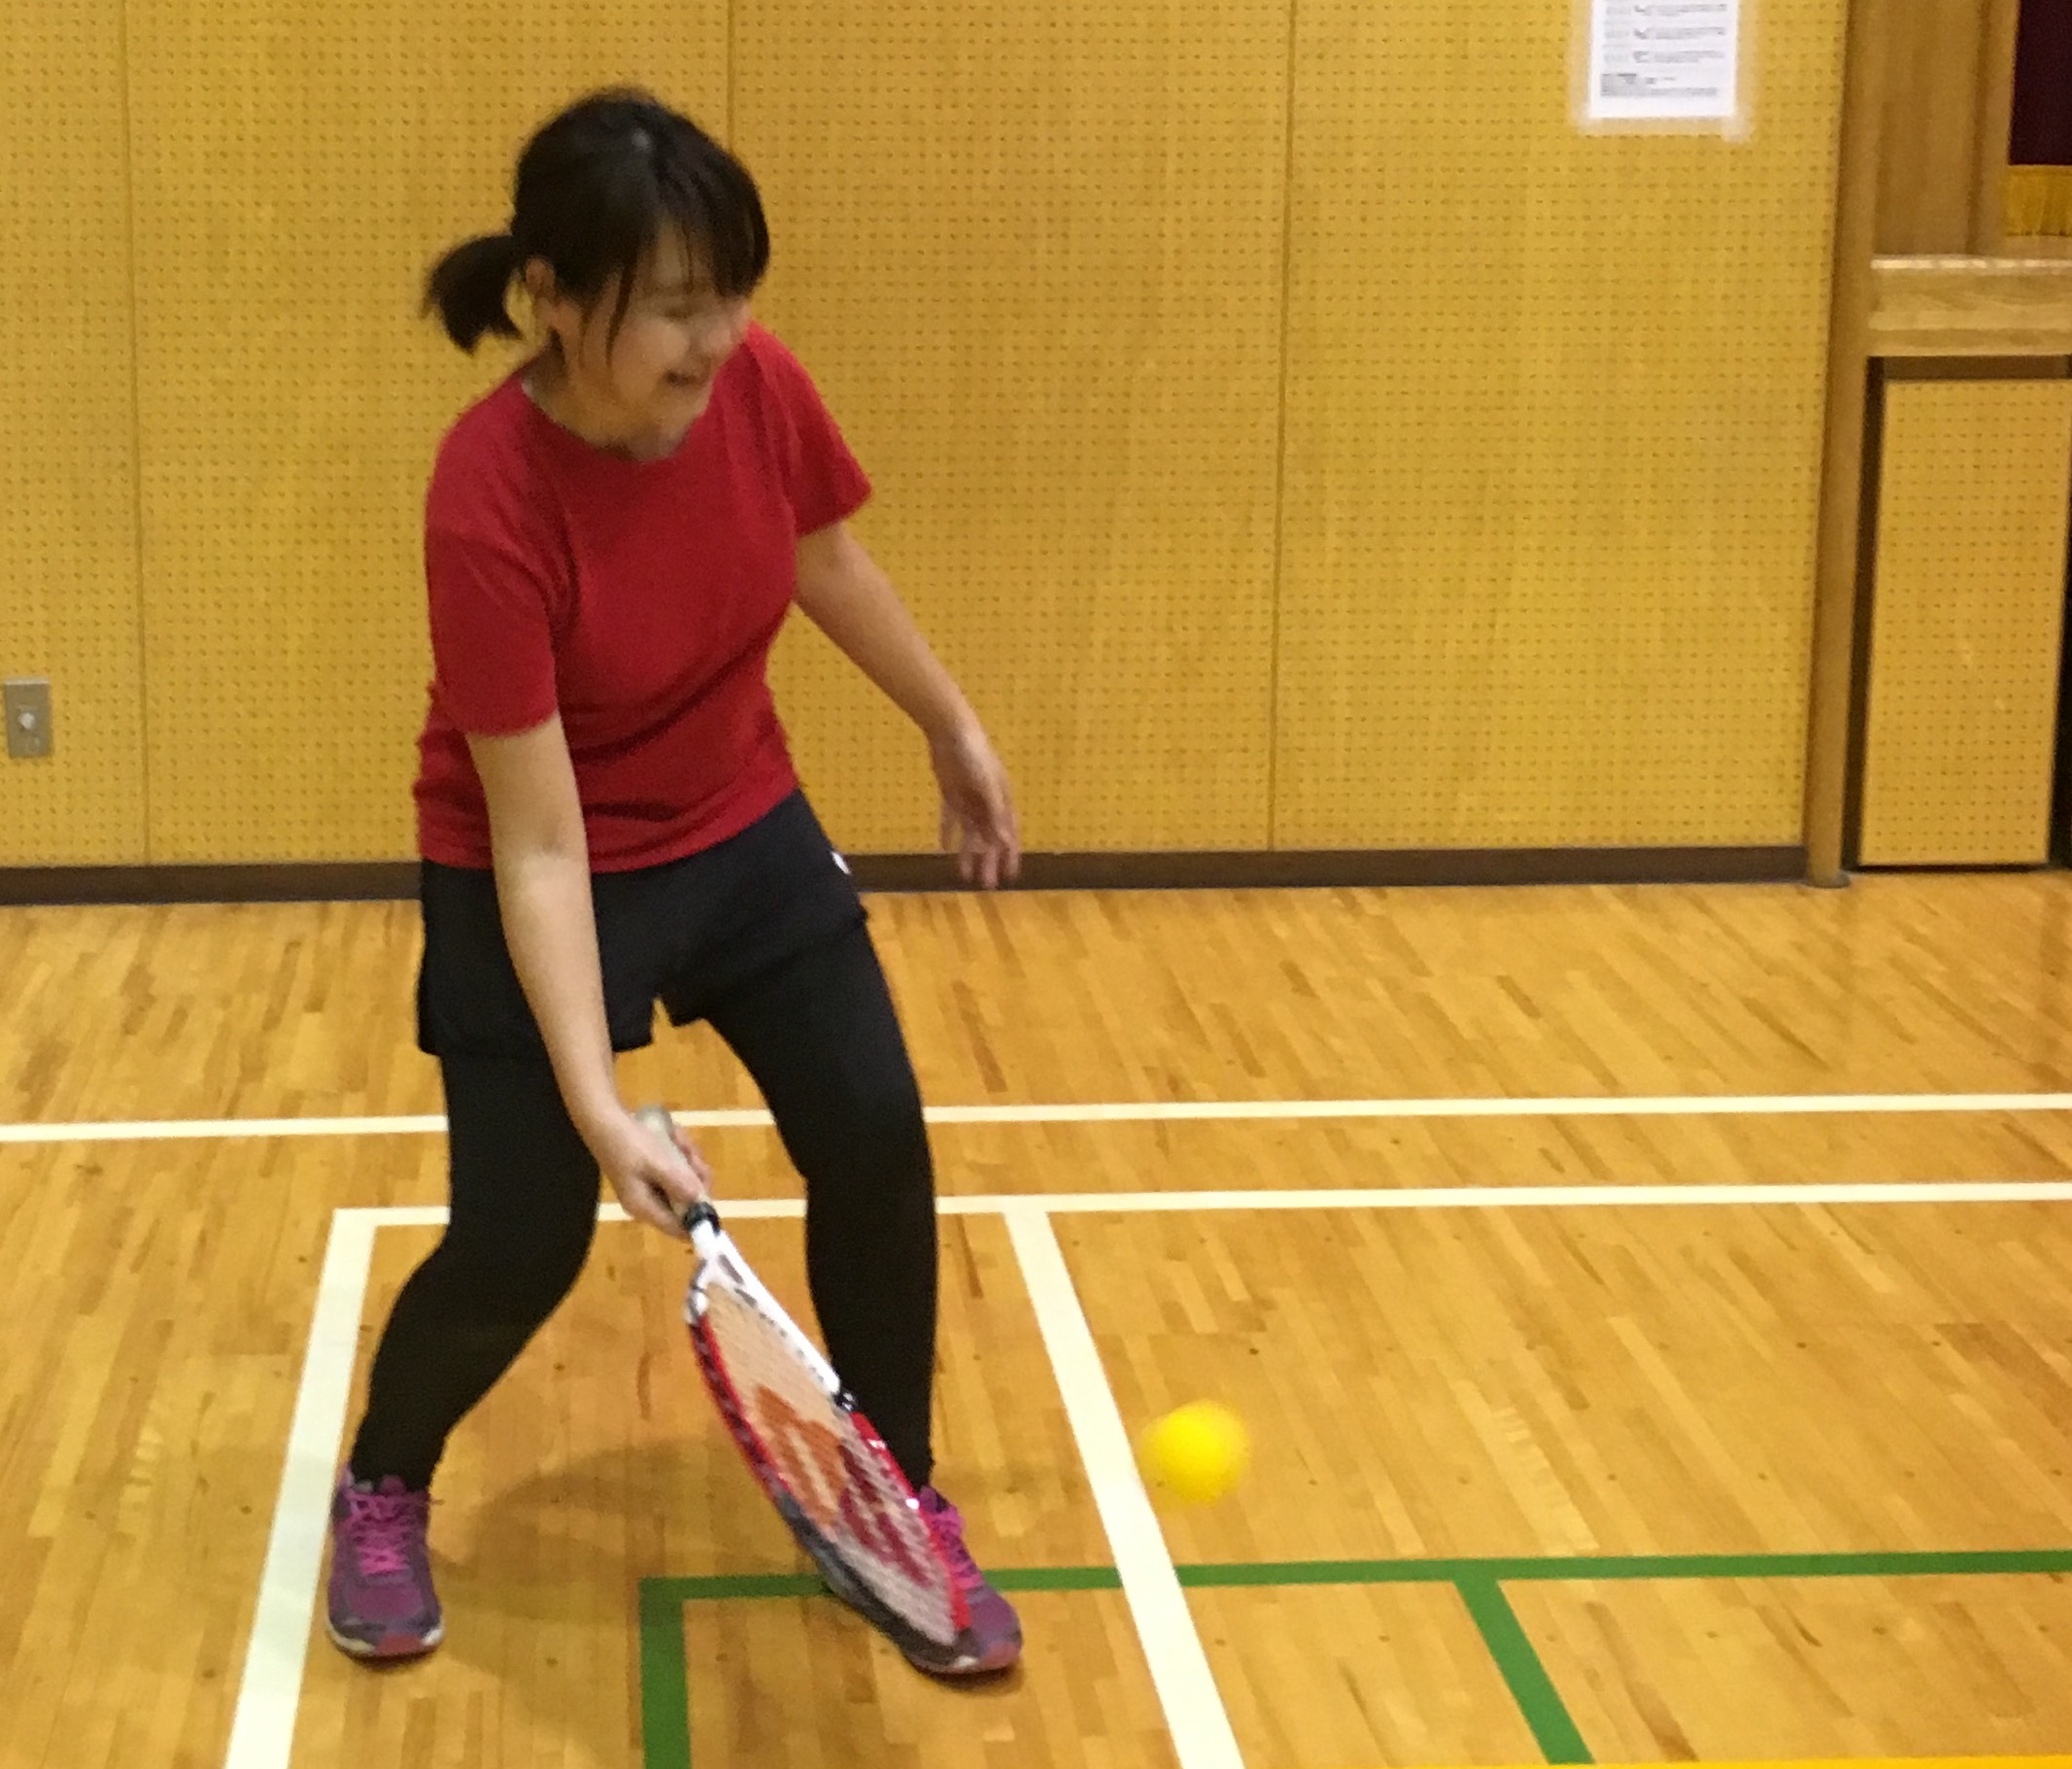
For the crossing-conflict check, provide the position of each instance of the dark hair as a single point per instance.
(596, 187)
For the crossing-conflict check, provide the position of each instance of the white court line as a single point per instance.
(1195, 1716)
(1531, 1196)
(262, 1729)
(1409, 1198)
(1152, 1112)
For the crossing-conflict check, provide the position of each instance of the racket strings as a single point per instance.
(839, 1479)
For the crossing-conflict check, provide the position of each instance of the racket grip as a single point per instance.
(702, 1214)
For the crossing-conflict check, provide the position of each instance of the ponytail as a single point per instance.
(467, 288)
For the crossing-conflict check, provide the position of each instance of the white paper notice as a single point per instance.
(1664, 60)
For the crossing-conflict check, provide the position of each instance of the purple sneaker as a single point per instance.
(382, 1603)
(994, 1639)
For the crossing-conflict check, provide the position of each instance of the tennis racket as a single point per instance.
(823, 1466)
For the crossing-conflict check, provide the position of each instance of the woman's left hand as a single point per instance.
(979, 823)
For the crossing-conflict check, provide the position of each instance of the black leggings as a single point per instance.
(818, 1034)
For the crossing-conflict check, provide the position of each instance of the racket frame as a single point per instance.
(720, 1259)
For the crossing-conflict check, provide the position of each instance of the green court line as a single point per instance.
(665, 1693)
(1579, 1568)
(1526, 1678)
(665, 1689)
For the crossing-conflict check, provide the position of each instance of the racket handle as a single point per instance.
(657, 1119)
(702, 1214)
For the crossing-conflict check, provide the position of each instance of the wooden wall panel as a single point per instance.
(1969, 606)
(1554, 423)
(299, 168)
(1034, 257)
(68, 469)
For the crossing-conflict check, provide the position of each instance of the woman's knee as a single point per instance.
(523, 1187)
(868, 1127)
(516, 1271)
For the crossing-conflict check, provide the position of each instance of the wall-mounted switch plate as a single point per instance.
(28, 705)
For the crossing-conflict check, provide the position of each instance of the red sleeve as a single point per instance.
(491, 639)
(823, 480)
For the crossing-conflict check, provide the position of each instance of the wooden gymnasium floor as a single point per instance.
(1653, 1308)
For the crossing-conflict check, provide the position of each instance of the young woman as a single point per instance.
(608, 817)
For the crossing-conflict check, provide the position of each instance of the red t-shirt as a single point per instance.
(638, 599)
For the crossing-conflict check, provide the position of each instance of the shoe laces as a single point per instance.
(384, 1525)
(946, 1524)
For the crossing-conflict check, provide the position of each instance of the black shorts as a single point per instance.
(682, 934)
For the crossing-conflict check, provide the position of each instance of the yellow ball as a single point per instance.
(1197, 1452)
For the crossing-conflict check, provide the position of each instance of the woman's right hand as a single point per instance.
(656, 1182)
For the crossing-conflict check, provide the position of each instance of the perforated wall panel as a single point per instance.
(1032, 254)
(1961, 733)
(1554, 423)
(68, 469)
(298, 169)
